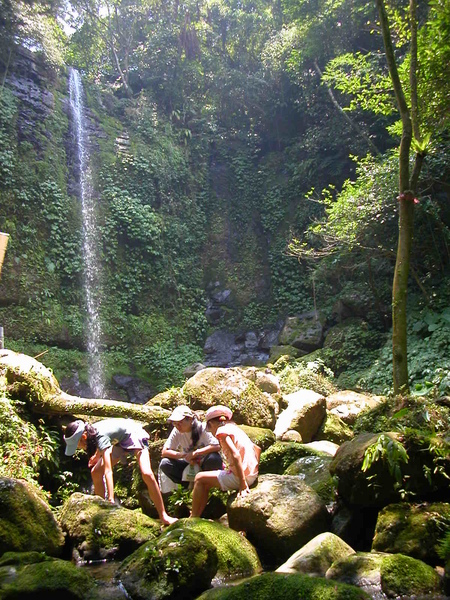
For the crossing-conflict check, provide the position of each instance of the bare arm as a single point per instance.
(236, 463)
(197, 455)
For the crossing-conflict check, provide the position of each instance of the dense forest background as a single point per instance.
(246, 150)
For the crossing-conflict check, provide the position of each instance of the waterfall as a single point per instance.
(92, 274)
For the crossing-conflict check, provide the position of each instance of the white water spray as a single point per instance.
(90, 236)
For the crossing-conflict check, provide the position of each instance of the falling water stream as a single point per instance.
(92, 274)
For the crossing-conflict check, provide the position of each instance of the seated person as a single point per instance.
(241, 454)
(188, 445)
(107, 442)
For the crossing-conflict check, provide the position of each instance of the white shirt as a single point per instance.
(182, 442)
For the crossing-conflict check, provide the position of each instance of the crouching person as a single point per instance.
(241, 454)
(188, 450)
(107, 442)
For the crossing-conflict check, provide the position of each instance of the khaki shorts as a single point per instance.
(229, 481)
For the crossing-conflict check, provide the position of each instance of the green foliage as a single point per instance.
(166, 360)
(363, 77)
(29, 451)
(389, 451)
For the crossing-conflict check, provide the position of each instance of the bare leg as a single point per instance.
(97, 473)
(204, 481)
(143, 457)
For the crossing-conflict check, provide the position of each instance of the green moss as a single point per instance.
(236, 556)
(26, 521)
(411, 529)
(100, 525)
(52, 579)
(281, 455)
(262, 437)
(403, 575)
(278, 586)
(181, 563)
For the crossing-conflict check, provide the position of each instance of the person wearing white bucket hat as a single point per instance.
(107, 442)
(241, 454)
(188, 450)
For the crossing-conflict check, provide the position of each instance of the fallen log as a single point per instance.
(27, 378)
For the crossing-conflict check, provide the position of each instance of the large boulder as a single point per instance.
(180, 564)
(412, 529)
(97, 529)
(250, 405)
(353, 484)
(377, 487)
(262, 437)
(305, 413)
(348, 405)
(395, 575)
(263, 378)
(34, 575)
(26, 520)
(236, 556)
(279, 515)
(279, 456)
(315, 472)
(303, 331)
(333, 429)
(281, 586)
(317, 556)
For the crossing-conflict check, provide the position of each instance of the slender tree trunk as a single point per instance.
(406, 198)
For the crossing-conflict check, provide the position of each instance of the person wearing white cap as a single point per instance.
(241, 454)
(188, 450)
(107, 442)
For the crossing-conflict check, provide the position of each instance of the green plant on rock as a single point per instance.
(28, 451)
(389, 451)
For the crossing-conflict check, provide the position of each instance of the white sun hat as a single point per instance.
(180, 413)
(72, 441)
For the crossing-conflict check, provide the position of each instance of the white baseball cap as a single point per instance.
(180, 413)
(72, 441)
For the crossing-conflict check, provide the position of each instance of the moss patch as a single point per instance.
(403, 575)
(237, 557)
(278, 586)
(51, 579)
(282, 454)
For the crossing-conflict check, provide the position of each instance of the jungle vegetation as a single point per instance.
(270, 145)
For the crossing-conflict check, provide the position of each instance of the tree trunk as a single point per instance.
(407, 189)
(28, 378)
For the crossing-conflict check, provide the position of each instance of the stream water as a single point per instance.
(92, 271)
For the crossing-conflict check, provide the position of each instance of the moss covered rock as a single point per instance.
(236, 555)
(317, 556)
(279, 586)
(262, 437)
(98, 529)
(376, 487)
(333, 429)
(46, 577)
(412, 529)
(277, 352)
(305, 413)
(304, 331)
(279, 515)
(26, 520)
(315, 472)
(250, 405)
(180, 564)
(278, 457)
(394, 574)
